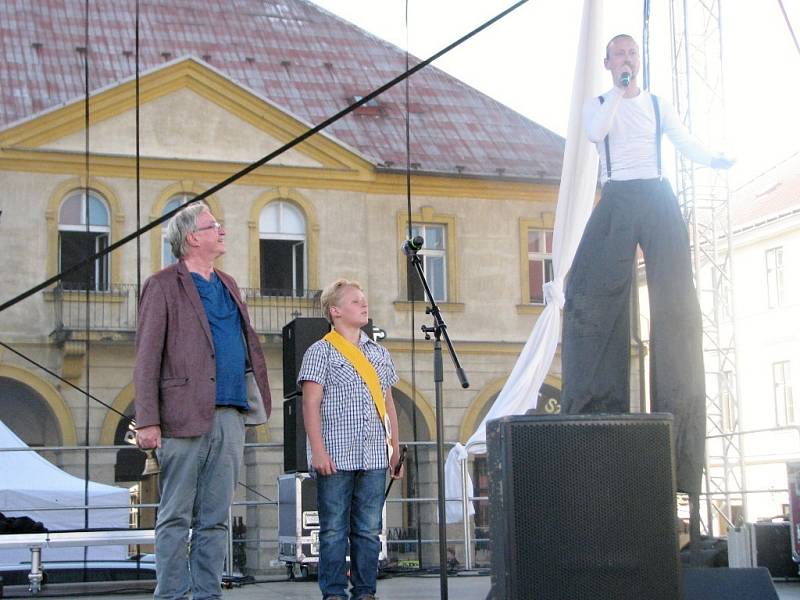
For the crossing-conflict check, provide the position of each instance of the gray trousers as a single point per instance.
(596, 338)
(198, 476)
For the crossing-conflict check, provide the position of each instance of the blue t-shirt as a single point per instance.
(226, 331)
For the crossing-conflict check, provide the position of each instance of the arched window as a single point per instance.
(282, 249)
(420, 461)
(77, 241)
(27, 414)
(167, 258)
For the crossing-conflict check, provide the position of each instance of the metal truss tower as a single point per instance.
(703, 194)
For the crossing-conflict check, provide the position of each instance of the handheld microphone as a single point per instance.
(625, 79)
(412, 246)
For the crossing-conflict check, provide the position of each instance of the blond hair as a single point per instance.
(332, 295)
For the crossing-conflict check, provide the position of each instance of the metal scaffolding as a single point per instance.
(703, 193)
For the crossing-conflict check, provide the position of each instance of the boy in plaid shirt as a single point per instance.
(348, 441)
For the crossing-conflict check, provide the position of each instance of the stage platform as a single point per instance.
(462, 587)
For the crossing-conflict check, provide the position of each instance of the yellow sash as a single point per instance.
(368, 374)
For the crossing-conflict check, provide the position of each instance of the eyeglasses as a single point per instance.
(215, 225)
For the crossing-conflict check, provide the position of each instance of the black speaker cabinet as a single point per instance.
(294, 435)
(298, 335)
(774, 548)
(583, 507)
(728, 584)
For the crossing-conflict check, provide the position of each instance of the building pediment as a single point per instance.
(188, 111)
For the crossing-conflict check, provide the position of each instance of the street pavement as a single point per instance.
(461, 587)
(280, 588)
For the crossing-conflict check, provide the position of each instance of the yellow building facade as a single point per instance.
(324, 210)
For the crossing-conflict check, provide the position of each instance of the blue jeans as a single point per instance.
(350, 507)
(198, 476)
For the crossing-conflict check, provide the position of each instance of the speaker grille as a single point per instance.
(587, 507)
(298, 335)
(294, 436)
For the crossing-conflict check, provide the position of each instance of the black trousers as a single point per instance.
(596, 338)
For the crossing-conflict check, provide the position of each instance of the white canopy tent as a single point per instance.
(29, 481)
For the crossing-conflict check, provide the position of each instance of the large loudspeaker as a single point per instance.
(298, 335)
(774, 548)
(583, 507)
(294, 436)
(728, 584)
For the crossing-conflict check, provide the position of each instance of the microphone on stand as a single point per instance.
(412, 246)
(625, 79)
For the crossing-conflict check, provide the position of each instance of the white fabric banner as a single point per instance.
(575, 199)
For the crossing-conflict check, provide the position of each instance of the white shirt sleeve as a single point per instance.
(597, 118)
(685, 142)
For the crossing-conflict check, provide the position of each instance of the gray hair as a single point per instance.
(182, 224)
(332, 295)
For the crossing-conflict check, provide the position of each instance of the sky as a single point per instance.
(526, 60)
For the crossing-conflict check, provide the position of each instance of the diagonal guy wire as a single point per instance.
(252, 167)
(301, 138)
(61, 379)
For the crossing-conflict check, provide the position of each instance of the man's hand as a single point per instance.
(396, 469)
(722, 162)
(149, 437)
(322, 462)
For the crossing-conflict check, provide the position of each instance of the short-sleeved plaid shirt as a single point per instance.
(351, 428)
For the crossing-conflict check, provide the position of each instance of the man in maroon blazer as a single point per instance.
(193, 347)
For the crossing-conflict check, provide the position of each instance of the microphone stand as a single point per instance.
(439, 330)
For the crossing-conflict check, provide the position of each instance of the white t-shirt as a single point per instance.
(630, 124)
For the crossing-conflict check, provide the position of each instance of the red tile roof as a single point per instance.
(301, 57)
(771, 196)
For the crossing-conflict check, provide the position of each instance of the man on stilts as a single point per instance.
(637, 207)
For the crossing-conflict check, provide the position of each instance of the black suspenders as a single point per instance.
(608, 150)
(658, 138)
(658, 133)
